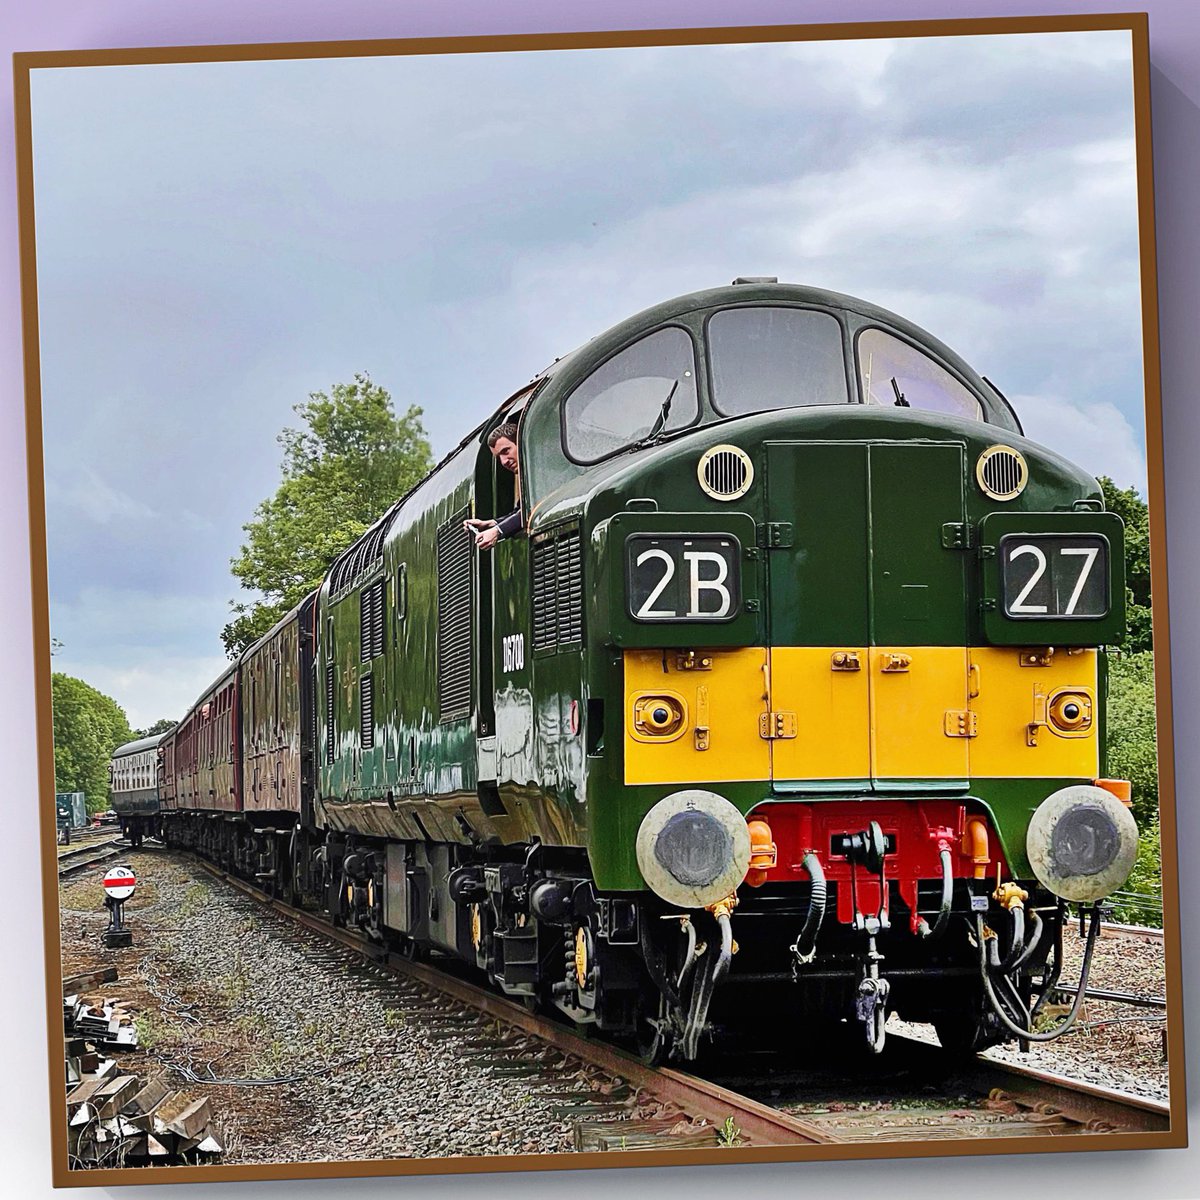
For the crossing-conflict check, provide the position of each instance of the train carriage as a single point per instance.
(804, 640)
(135, 781)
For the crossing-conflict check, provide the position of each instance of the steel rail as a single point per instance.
(758, 1123)
(1088, 1105)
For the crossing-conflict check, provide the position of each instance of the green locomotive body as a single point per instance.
(788, 560)
(803, 641)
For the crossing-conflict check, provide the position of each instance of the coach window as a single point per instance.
(764, 358)
(895, 374)
(647, 389)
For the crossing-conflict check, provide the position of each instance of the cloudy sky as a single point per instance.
(215, 241)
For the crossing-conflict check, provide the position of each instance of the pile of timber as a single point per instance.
(114, 1118)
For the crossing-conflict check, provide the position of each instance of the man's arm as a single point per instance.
(512, 524)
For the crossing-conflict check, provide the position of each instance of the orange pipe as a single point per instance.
(975, 845)
(1121, 788)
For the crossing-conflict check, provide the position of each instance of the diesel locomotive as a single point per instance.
(787, 705)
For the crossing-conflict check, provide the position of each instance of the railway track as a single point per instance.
(80, 858)
(914, 1093)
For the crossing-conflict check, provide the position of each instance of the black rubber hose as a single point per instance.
(702, 998)
(1051, 976)
(1038, 926)
(1068, 1021)
(943, 917)
(689, 959)
(805, 945)
(1011, 959)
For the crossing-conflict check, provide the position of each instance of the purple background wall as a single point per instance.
(85, 24)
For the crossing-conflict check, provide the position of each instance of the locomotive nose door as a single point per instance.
(920, 726)
(867, 616)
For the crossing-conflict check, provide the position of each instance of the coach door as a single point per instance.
(868, 666)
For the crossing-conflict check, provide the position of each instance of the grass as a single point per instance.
(153, 1029)
(235, 985)
(728, 1134)
(275, 1058)
(194, 899)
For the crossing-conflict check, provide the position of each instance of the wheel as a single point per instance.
(653, 1038)
(967, 1033)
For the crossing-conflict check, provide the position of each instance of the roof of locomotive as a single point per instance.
(760, 291)
(146, 743)
(578, 361)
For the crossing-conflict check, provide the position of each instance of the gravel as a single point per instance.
(228, 989)
(337, 1060)
(1113, 1045)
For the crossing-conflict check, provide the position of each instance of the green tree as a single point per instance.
(352, 457)
(1132, 745)
(88, 727)
(162, 725)
(1131, 508)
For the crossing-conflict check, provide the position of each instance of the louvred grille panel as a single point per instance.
(454, 649)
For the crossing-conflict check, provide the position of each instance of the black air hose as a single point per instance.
(1014, 955)
(806, 944)
(698, 1011)
(1084, 971)
(939, 924)
(1038, 926)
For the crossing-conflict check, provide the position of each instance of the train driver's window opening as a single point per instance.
(895, 374)
(646, 390)
(767, 358)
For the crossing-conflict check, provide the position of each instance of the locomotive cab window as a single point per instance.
(896, 374)
(767, 358)
(647, 389)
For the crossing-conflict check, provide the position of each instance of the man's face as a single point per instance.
(506, 452)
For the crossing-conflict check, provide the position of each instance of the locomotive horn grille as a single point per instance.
(725, 472)
(1002, 472)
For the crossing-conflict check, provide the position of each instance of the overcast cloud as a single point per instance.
(215, 241)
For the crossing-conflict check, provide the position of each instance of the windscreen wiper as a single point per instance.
(660, 422)
(900, 400)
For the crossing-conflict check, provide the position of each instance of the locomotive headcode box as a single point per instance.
(682, 579)
(1054, 579)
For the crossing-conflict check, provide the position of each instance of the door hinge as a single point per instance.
(845, 660)
(773, 725)
(689, 660)
(895, 663)
(957, 535)
(962, 723)
(780, 535)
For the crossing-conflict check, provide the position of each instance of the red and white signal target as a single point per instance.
(119, 883)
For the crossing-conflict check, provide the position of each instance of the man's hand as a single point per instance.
(486, 532)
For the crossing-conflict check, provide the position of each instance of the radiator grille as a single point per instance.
(570, 589)
(545, 595)
(454, 649)
(366, 711)
(330, 696)
(1002, 472)
(360, 559)
(557, 592)
(371, 622)
(725, 472)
